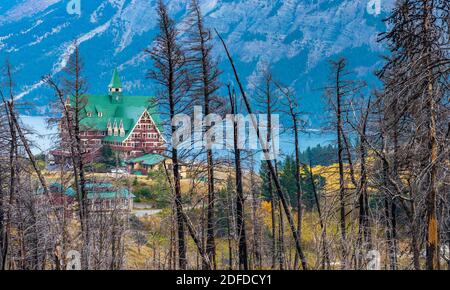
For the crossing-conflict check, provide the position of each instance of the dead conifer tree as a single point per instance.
(70, 92)
(292, 111)
(204, 77)
(416, 87)
(170, 74)
(240, 208)
(271, 167)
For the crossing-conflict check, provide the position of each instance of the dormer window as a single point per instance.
(109, 128)
(100, 114)
(89, 114)
(121, 129)
(115, 129)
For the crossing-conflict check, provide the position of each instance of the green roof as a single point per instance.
(148, 159)
(115, 81)
(122, 192)
(102, 111)
(98, 190)
(99, 110)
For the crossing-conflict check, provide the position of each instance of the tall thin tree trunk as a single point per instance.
(240, 215)
(229, 235)
(325, 255)
(364, 234)
(298, 181)
(281, 250)
(432, 246)
(273, 201)
(342, 193)
(273, 206)
(269, 162)
(255, 217)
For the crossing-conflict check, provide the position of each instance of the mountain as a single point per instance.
(297, 37)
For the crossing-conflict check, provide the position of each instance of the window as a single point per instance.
(100, 114)
(89, 114)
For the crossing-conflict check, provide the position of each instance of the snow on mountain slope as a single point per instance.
(297, 37)
(24, 9)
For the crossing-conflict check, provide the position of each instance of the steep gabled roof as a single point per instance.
(128, 112)
(115, 108)
(115, 80)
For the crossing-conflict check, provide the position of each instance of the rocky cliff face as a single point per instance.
(297, 37)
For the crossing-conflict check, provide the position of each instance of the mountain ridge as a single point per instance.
(296, 37)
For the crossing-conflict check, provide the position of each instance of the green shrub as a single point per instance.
(143, 192)
(135, 182)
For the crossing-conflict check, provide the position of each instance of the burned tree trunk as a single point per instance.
(292, 111)
(339, 67)
(240, 215)
(205, 74)
(269, 163)
(170, 74)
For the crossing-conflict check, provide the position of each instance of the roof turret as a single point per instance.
(115, 81)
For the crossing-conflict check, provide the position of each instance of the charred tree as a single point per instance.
(170, 74)
(204, 76)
